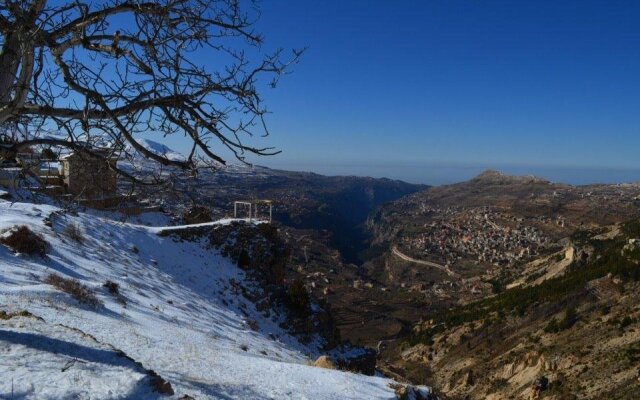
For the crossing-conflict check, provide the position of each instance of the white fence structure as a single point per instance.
(252, 206)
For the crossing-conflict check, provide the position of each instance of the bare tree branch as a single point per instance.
(122, 68)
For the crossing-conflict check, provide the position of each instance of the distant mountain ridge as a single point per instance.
(497, 177)
(159, 149)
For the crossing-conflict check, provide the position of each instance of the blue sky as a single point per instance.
(435, 91)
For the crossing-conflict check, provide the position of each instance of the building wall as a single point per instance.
(89, 177)
(9, 177)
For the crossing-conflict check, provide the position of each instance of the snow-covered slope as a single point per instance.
(161, 150)
(179, 315)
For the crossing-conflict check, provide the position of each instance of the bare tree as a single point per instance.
(91, 70)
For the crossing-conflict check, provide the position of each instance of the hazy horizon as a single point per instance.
(447, 173)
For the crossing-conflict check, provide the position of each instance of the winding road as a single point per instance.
(405, 257)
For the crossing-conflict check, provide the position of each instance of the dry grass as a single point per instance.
(5, 315)
(73, 232)
(74, 288)
(22, 240)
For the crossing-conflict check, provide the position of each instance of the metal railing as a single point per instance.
(252, 206)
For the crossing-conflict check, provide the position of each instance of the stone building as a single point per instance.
(89, 176)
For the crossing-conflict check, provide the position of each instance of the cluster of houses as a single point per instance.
(474, 235)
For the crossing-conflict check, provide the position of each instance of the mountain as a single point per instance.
(91, 306)
(493, 177)
(157, 148)
(486, 233)
(455, 286)
(572, 336)
(162, 150)
(528, 287)
(555, 210)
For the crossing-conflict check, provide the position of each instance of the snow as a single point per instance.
(220, 222)
(183, 318)
(32, 349)
(161, 150)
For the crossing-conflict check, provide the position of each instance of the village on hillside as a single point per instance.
(480, 235)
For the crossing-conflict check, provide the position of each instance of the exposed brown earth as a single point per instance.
(578, 330)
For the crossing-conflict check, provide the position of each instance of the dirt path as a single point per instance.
(421, 262)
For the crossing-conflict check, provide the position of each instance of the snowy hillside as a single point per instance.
(159, 149)
(176, 312)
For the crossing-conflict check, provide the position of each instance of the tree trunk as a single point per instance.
(9, 63)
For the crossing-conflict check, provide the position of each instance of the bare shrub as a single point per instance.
(73, 232)
(112, 287)
(197, 214)
(6, 316)
(22, 240)
(74, 288)
(298, 296)
(244, 259)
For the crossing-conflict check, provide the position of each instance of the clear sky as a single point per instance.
(435, 91)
